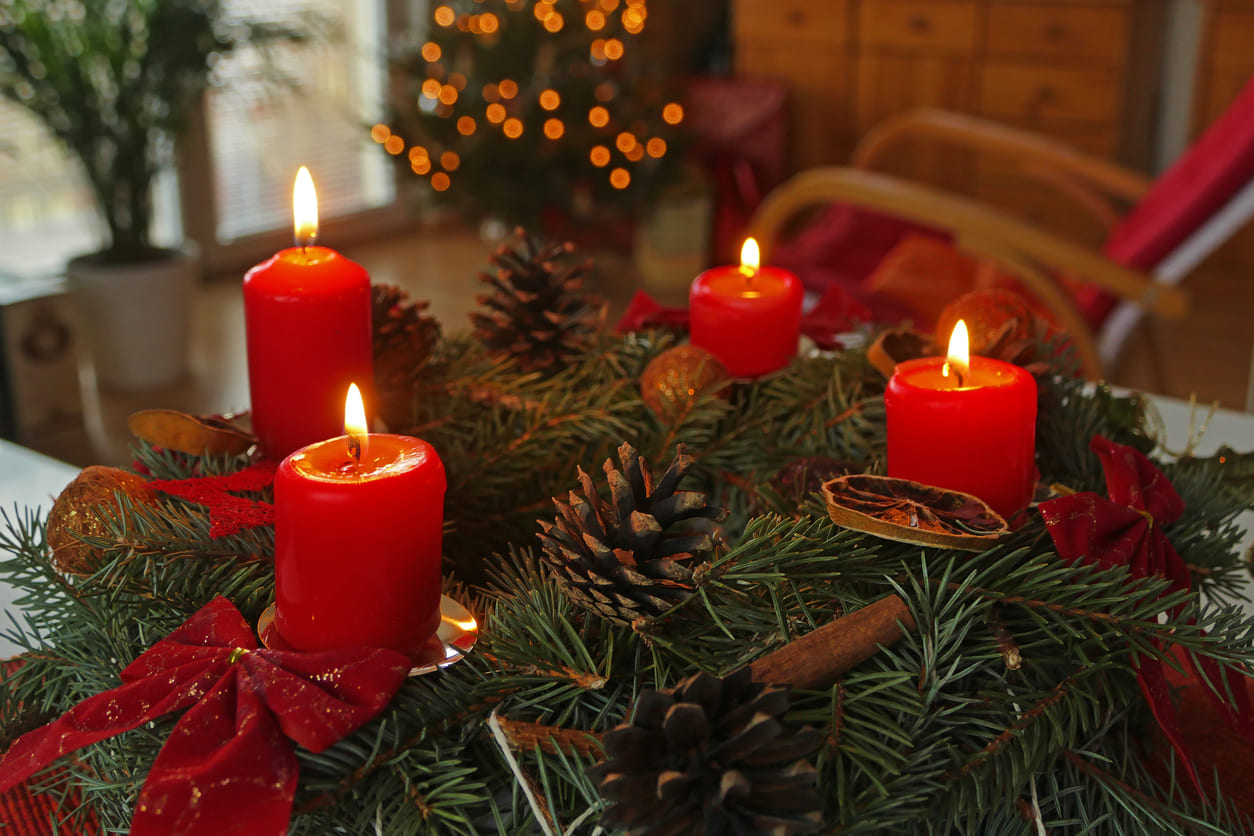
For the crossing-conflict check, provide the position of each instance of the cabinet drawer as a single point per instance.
(1098, 33)
(806, 21)
(920, 24)
(821, 122)
(1035, 95)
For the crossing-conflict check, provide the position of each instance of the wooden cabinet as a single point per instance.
(1086, 71)
(805, 44)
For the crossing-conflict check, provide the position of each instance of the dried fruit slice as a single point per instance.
(908, 512)
(898, 345)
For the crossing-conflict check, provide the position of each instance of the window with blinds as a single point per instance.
(260, 134)
(257, 134)
(46, 211)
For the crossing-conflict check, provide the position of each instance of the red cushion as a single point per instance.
(842, 245)
(1218, 164)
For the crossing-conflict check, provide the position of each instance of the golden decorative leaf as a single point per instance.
(196, 435)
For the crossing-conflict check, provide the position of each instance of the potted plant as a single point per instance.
(116, 82)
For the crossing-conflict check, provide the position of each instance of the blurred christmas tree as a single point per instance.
(514, 108)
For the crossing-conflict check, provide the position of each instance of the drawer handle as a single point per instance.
(919, 23)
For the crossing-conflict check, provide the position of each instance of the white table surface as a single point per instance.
(28, 479)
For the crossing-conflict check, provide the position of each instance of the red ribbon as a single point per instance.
(225, 768)
(1127, 530)
(228, 514)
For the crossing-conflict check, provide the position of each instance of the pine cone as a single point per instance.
(710, 757)
(536, 312)
(632, 557)
(404, 337)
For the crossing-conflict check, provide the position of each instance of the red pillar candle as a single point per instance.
(749, 317)
(358, 533)
(976, 435)
(307, 325)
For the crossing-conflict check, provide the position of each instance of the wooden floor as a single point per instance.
(1207, 355)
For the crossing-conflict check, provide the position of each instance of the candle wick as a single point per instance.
(949, 368)
(354, 448)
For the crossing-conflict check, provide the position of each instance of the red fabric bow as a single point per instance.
(228, 514)
(225, 768)
(836, 312)
(1127, 530)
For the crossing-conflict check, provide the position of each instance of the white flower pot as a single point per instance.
(137, 317)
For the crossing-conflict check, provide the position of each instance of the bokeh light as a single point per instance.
(598, 117)
(496, 113)
(656, 147)
(625, 141)
(673, 114)
(594, 20)
(449, 161)
(444, 16)
(613, 49)
(440, 181)
(431, 51)
(549, 99)
(553, 128)
(508, 89)
(600, 156)
(380, 133)
(620, 178)
(394, 145)
(513, 127)
(466, 125)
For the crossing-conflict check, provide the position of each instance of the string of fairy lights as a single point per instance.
(503, 105)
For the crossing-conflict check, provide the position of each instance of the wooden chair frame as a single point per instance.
(1031, 253)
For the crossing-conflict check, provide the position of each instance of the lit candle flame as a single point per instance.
(305, 208)
(959, 357)
(355, 423)
(750, 259)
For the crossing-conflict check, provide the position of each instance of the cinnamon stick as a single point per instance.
(819, 658)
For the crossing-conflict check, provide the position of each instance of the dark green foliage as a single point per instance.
(1017, 693)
